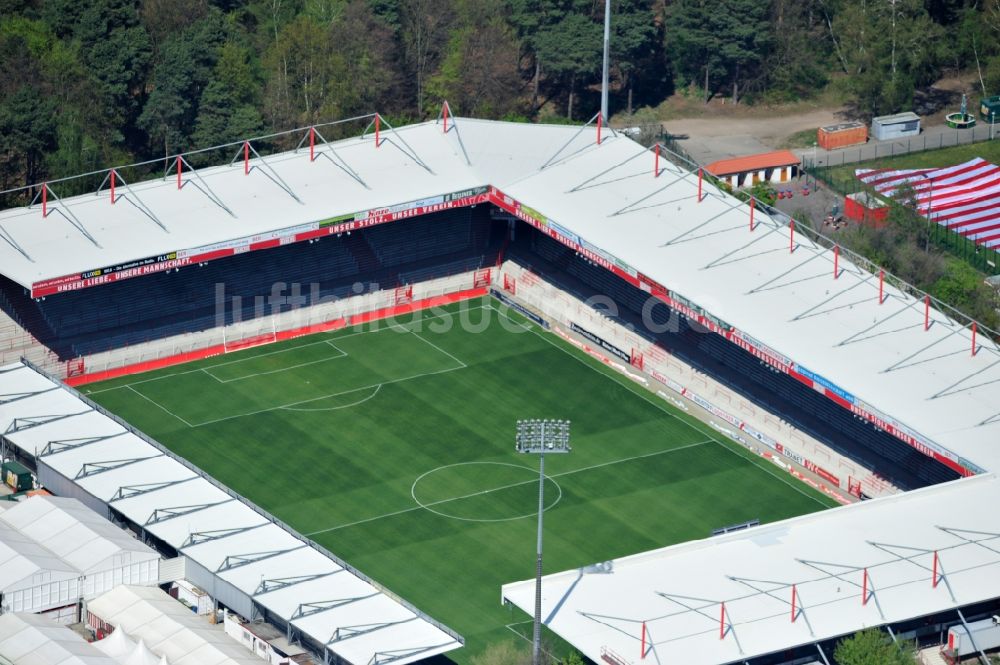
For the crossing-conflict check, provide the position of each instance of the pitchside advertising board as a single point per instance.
(601, 342)
(285, 236)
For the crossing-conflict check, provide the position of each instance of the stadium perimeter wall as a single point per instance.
(356, 310)
(653, 367)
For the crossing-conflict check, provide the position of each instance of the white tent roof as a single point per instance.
(25, 563)
(74, 533)
(211, 526)
(678, 590)
(65, 432)
(117, 645)
(80, 461)
(212, 519)
(142, 655)
(32, 639)
(168, 629)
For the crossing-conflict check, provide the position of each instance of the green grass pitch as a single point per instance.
(392, 445)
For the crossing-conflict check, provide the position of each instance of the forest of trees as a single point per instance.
(88, 83)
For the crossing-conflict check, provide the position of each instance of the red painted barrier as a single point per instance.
(218, 349)
(407, 308)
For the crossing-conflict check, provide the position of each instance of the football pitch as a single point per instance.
(392, 445)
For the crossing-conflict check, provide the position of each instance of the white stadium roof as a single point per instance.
(678, 591)
(216, 529)
(769, 290)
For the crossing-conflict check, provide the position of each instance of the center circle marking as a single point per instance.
(430, 506)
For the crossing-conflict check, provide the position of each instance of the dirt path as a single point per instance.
(708, 139)
(767, 129)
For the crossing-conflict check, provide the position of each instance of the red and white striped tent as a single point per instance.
(964, 198)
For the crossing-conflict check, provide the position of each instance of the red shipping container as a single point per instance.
(865, 208)
(842, 135)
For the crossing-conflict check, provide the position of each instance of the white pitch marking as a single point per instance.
(322, 397)
(343, 354)
(158, 405)
(427, 341)
(335, 408)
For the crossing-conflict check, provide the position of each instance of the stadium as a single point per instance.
(298, 373)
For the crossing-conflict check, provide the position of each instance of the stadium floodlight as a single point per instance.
(541, 437)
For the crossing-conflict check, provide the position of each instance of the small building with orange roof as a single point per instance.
(779, 166)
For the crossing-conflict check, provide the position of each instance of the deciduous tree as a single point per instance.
(873, 647)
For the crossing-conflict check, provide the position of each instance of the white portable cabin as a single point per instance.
(898, 125)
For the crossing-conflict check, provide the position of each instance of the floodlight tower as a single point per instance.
(541, 437)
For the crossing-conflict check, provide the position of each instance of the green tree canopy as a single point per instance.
(570, 49)
(873, 647)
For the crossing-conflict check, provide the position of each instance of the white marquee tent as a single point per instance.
(29, 639)
(32, 578)
(54, 551)
(166, 628)
(104, 553)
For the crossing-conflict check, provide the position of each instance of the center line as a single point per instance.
(512, 485)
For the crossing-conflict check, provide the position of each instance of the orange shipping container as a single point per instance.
(842, 135)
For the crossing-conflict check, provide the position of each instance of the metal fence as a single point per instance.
(929, 140)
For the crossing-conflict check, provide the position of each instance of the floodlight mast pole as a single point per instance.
(541, 436)
(536, 637)
(607, 43)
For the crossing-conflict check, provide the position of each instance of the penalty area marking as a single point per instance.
(285, 407)
(342, 406)
(297, 406)
(399, 327)
(343, 354)
(427, 506)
